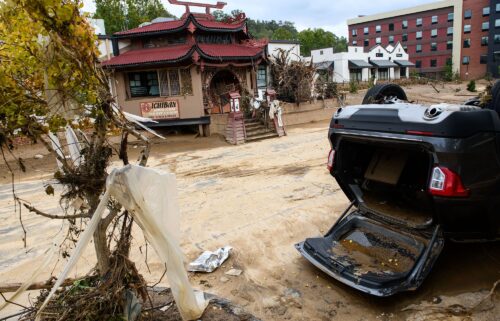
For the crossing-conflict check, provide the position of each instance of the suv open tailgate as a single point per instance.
(372, 256)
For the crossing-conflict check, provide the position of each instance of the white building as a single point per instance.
(355, 64)
(288, 45)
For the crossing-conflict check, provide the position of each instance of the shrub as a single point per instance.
(471, 86)
(353, 87)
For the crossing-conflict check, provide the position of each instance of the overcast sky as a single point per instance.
(327, 14)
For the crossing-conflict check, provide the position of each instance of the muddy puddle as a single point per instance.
(369, 252)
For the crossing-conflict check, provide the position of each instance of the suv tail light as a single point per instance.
(331, 160)
(445, 182)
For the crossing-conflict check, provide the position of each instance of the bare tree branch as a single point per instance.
(57, 217)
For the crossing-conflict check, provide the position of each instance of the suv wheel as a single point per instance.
(378, 94)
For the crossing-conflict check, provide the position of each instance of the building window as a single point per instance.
(378, 28)
(391, 39)
(405, 37)
(434, 46)
(486, 11)
(366, 30)
(449, 32)
(449, 45)
(483, 60)
(418, 64)
(498, 7)
(465, 60)
(467, 29)
(262, 77)
(485, 26)
(404, 24)
(467, 43)
(321, 52)
(170, 84)
(434, 19)
(355, 75)
(143, 84)
(434, 33)
(391, 27)
(378, 40)
(449, 61)
(433, 63)
(496, 40)
(354, 43)
(367, 42)
(383, 73)
(468, 14)
(405, 48)
(354, 32)
(484, 41)
(419, 35)
(497, 23)
(419, 22)
(379, 55)
(418, 48)
(450, 16)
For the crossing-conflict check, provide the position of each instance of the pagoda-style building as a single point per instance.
(178, 72)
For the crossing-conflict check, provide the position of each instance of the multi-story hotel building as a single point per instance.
(464, 33)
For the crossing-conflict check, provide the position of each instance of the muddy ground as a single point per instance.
(261, 199)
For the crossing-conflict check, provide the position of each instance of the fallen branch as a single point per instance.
(57, 217)
(13, 287)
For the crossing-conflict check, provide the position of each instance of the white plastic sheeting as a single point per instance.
(151, 197)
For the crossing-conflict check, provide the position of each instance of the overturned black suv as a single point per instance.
(416, 176)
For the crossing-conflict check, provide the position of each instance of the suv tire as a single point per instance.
(377, 92)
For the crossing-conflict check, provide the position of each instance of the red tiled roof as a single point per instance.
(154, 55)
(230, 51)
(220, 25)
(177, 24)
(155, 27)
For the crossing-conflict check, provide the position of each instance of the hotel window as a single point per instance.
(485, 26)
(496, 40)
(449, 45)
(486, 11)
(497, 23)
(467, 43)
(434, 19)
(354, 32)
(391, 39)
(450, 16)
(465, 60)
(367, 42)
(449, 32)
(405, 37)
(468, 14)
(418, 64)
(404, 24)
(418, 48)
(419, 22)
(434, 33)
(484, 41)
(418, 35)
(378, 28)
(354, 43)
(434, 63)
(378, 40)
(434, 46)
(143, 84)
(391, 27)
(366, 30)
(483, 60)
(498, 7)
(467, 29)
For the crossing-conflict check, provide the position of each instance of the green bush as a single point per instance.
(471, 86)
(353, 87)
(331, 90)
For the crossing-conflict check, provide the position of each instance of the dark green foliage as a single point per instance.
(121, 15)
(471, 86)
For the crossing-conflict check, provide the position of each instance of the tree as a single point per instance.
(282, 34)
(121, 15)
(311, 39)
(50, 78)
